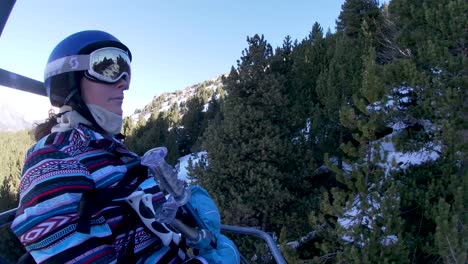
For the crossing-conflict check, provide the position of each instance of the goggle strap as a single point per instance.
(67, 64)
(69, 96)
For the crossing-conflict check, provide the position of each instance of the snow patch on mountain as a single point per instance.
(182, 166)
(163, 102)
(11, 120)
(20, 110)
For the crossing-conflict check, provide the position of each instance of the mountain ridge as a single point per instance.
(164, 101)
(11, 120)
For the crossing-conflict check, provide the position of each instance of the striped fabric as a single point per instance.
(57, 170)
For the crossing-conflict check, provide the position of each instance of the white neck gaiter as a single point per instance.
(110, 122)
(68, 119)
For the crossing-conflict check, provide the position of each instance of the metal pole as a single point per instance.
(260, 234)
(22, 83)
(5, 10)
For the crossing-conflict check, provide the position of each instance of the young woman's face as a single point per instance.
(107, 96)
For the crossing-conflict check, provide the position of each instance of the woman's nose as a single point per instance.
(123, 84)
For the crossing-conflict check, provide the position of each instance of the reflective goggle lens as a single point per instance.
(106, 64)
(109, 65)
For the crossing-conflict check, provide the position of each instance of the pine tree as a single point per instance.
(173, 115)
(354, 13)
(127, 125)
(361, 215)
(214, 113)
(365, 222)
(192, 125)
(10, 247)
(433, 33)
(310, 59)
(141, 121)
(335, 87)
(246, 152)
(13, 149)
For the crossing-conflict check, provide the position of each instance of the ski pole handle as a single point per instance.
(165, 174)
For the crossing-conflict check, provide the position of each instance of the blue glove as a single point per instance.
(225, 252)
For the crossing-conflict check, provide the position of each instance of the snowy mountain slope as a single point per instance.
(19, 110)
(11, 120)
(164, 101)
(182, 165)
(392, 157)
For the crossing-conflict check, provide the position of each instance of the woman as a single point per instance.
(77, 176)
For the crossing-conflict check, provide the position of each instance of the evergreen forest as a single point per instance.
(346, 146)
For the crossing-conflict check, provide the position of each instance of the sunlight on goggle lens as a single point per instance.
(109, 65)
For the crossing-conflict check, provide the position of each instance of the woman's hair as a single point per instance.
(43, 129)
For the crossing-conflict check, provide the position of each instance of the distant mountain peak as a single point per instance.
(11, 120)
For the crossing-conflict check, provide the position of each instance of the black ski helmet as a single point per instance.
(65, 87)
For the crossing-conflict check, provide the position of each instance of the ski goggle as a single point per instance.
(108, 65)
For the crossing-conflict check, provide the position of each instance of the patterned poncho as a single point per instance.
(57, 171)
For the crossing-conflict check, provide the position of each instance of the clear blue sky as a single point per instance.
(175, 43)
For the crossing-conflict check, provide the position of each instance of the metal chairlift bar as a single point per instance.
(260, 234)
(22, 83)
(7, 6)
